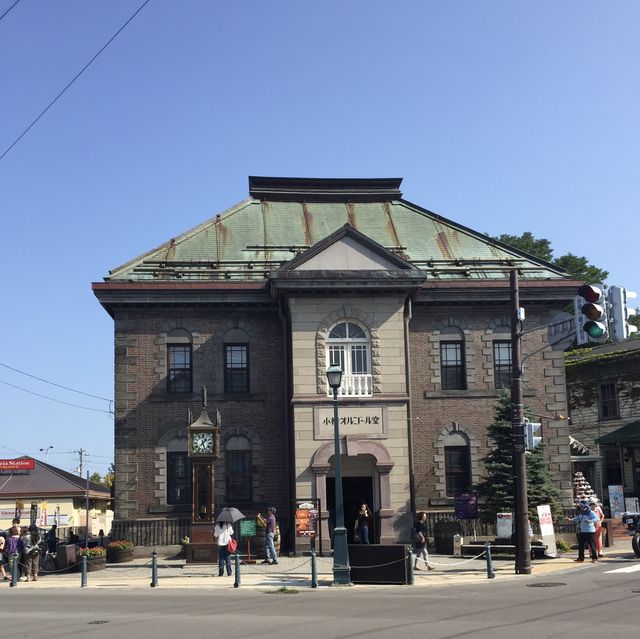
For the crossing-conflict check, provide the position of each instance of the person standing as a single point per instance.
(3, 574)
(586, 520)
(421, 535)
(223, 532)
(30, 540)
(363, 521)
(270, 556)
(12, 542)
(52, 539)
(595, 507)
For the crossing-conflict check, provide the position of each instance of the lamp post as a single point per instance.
(46, 452)
(341, 569)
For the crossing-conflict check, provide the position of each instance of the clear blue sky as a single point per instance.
(504, 116)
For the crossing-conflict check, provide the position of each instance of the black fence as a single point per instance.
(151, 532)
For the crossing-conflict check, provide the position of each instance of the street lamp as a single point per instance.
(341, 569)
(45, 451)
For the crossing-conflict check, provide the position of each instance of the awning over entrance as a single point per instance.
(624, 435)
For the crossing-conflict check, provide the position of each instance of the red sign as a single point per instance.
(17, 464)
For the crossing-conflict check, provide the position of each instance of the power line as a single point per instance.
(46, 381)
(84, 68)
(58, 401)
(9, 9)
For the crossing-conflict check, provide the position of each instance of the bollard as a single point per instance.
(410, 577)
(490, 573)
(83, 572)
(314, 570)
(14, 570)
(236, 581)
(154, 569)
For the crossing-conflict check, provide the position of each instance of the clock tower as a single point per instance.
(204, 448)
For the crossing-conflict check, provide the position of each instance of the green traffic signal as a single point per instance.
(594, 329)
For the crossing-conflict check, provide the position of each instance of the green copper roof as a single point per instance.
(258, 236)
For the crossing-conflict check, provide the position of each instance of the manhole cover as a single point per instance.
(546, 584)
(98, 622)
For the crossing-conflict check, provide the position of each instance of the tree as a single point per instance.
(96, 478)
(497, 488)
(110, 476)
(578, 267)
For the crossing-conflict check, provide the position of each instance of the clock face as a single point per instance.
(202, 443)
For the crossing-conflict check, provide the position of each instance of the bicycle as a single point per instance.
(47, 558)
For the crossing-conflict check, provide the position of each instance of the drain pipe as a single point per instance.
(408, 313)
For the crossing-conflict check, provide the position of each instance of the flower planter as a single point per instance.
(119, 556)
(95, 563)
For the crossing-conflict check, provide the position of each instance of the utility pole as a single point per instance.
(81, 453)
(521, 503)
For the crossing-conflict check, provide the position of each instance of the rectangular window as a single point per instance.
(452, 366)
(236, 368)
(613, 465)
(179, 371)
(238, 475)
(178, 479)
(457, 469)
(608, 404)
(502, 363)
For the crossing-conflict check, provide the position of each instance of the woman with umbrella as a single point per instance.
(223, 532)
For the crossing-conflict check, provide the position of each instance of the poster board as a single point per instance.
(504, 525)
(546, 530)
(616, 500)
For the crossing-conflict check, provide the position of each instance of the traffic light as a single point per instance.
(620, 313)
(533, 434)
(591, 314)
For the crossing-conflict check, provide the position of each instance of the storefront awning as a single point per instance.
(624, 435)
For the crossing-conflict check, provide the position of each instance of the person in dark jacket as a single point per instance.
(31, 550)
(421, 535)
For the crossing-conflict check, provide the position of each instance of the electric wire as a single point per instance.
(9, 9)
(84, 68)
(46, 381)
(58, 401)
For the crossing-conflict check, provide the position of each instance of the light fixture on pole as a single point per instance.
(341, 569)
(45, 451)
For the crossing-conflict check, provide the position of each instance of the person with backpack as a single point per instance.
(29, 541)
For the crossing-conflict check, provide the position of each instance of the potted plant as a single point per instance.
(96, 558)
(119, 551)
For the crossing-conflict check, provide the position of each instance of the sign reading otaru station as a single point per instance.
(17, 464)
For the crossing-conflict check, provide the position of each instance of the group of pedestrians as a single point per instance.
(589, 521)
(24, 542)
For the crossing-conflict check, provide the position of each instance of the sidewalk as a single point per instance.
(295, 572)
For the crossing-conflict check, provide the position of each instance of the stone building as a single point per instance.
(255, 304)
(604, 402)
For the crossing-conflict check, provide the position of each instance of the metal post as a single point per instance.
(83, 578)
(236, 565)
(314, 571)
(341, 569)
(86, 523)
(490, 573)
(14, 570)
(410, 573)
(154, 569)
(521, 527)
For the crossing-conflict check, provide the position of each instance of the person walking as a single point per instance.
(586, 520)
(12, 543)
(421, 536)
(595, 507)
(363, 521)
(223, 532)
(3, 574)
(270, 556)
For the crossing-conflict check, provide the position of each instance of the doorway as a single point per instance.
(355, 491)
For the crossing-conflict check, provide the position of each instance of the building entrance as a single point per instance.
(355, 491)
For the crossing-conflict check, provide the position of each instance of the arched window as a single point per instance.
(238, 469)
(349, 346)
(457, 464)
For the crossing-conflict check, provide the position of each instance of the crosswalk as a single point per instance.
(632, 568)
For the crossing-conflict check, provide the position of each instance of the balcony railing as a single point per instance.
(355, 386)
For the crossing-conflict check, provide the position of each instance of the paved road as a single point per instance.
(582, 600)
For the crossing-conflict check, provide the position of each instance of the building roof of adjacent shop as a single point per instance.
(47, 481)
(284, 217)
(626, 434)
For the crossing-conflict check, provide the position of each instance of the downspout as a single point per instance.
(283, 313)
(408, 312)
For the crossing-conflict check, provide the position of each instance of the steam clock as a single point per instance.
(204, 448)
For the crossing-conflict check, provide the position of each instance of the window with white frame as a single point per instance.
(349, 346)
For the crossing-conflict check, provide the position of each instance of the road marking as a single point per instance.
(633, 568)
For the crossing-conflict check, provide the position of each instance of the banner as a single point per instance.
(17, 464)
(466, 505)
(616, 500)
(546, 530)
